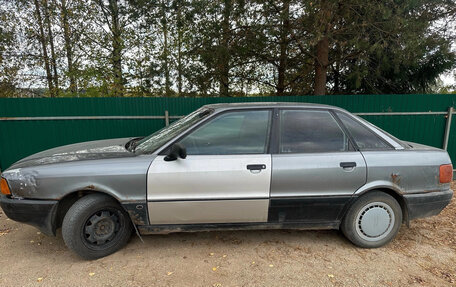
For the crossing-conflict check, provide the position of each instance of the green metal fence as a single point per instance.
(31, 125)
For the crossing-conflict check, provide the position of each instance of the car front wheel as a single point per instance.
(96, 226)
(373, 220)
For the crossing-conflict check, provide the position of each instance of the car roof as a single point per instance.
(224, 106)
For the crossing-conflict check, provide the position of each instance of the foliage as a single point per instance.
(190, 48)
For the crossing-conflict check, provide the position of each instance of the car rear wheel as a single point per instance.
(373, 220)
(96, 226)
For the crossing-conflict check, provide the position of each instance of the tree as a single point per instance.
(178, 7)
(112, 16)
(224, 47)
(43, 40)
(347, 39)
(69, 44)
(50, 39)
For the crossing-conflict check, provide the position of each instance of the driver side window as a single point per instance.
(240, 132)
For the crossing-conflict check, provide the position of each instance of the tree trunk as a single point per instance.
(225, 53)
(322, 59)
(165, 49)
(42, 39)
(179, 48)
(283, 47)
(68, 47)
(47, 18)
(321, 66)
(116, 48)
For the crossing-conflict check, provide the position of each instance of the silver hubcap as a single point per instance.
(375, 221)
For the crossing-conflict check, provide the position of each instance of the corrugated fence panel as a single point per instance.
(22, 138)
(425, 129)
(452, 141)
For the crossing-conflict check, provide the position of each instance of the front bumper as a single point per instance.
(39, 213)
(427, 204)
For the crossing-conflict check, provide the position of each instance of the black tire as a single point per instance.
(379, 214)
(96, 226)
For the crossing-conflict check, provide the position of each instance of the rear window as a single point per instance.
(364, 138)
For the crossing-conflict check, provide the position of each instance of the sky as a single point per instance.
(448, 79)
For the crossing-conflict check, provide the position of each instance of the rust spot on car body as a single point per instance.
(136, 218)
(137, 212)
(396, 178)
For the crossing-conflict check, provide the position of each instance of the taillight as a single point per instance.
(446, 173)
(4, 188)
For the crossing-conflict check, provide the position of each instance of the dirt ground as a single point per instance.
(423, 255)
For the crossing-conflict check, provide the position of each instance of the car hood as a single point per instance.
(92, 150)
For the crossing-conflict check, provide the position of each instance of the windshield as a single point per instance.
(152, 142)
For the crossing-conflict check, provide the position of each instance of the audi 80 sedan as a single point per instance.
(231, 166)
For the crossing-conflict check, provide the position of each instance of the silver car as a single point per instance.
(231, 166)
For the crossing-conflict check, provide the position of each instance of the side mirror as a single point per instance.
(176, 151)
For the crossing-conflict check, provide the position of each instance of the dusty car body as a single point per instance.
(232, 166)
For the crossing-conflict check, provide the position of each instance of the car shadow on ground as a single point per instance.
(216, 240)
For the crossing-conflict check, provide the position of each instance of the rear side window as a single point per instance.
(365, 139)
(310, 131)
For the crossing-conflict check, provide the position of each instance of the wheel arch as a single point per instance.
(397, 195)
(69, 199)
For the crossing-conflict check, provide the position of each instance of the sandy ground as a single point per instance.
(423, 255)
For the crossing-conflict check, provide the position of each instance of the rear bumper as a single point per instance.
(427, 204)
(39, 213)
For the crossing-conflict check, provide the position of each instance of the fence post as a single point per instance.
(166, 118)
(447, 128)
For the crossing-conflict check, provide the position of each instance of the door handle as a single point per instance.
(350, 164)
(256, 166)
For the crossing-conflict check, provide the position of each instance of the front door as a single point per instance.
(225, 177)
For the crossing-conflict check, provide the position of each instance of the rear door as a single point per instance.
(225, 177)
(316, 169)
